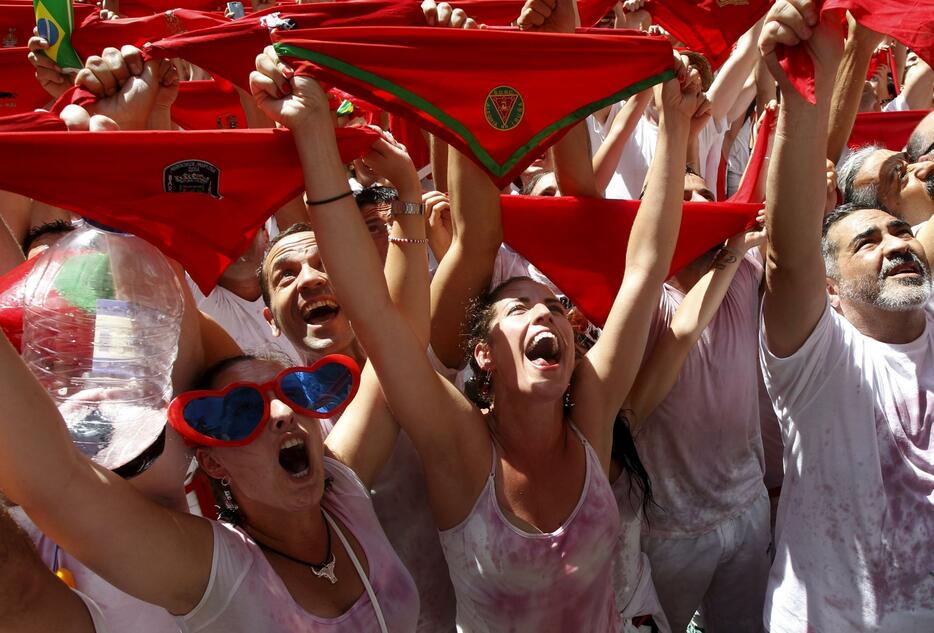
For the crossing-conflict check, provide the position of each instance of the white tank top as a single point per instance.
(246, 594)
(506, 579)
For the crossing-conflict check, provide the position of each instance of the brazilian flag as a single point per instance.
(55, 23)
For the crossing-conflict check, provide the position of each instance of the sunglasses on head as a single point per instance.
(236, 414)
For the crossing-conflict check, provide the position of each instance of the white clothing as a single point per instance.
(507, 579)
(855, 523)
(616, 188)
(400, 499)
(245, 323)
(244, 593)
(97, 616)
(723, 570)
(738, 157)
(701, 446)
(898, 104)
(118, 610)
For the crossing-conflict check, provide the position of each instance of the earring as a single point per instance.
(229, 504)
(486, 390)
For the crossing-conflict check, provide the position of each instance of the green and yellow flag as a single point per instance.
(55, 22)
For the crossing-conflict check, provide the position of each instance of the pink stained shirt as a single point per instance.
(702, 446)
(509, 580)
(245, 593)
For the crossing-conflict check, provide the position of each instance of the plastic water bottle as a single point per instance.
(100, 332)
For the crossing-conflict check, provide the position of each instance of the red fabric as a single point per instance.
(21, 17)
(11, 302)
(230, 50)
(208, 105)
(94, 35)
(557, 235)
(141, 8)
(753, 172)
(257, 172)
(32, 122)
(410, 135)
(710, 27)
(889, 129)
(19, 90)
(908, 22)
(886, 57)
(560, 79)
(361, 108)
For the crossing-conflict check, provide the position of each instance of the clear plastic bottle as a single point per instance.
(101, 321)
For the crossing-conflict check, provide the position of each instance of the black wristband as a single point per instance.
(313, 203)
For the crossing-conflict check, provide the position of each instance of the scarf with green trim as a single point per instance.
(500, 96)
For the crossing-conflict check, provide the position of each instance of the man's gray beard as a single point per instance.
(890, 294)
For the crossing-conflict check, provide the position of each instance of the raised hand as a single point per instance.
(555, 16)
(284, 97)
(390, 159)
(797, 22)
(444, 15)
(681, 97)
(50, 75)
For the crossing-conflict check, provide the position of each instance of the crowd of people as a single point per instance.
(742, 445)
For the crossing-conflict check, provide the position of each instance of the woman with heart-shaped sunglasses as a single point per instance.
(306, 552)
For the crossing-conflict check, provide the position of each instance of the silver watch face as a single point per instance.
(407, 208)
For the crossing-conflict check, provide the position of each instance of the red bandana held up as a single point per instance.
(710, 27)
(889, 129)
(142, 8)
(751, 176)
(517, 96)
(199, 197)
(208, 105)
(230, 50)
(557, 236)
(908, 22)
(94, 34)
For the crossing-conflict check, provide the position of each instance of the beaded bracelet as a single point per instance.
(407, 240)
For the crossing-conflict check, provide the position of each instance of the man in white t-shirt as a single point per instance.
(851, 377)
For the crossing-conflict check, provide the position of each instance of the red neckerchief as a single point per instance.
(888, 129)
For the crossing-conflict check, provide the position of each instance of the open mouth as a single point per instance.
(543, 350)
(294, 458)
(319, 312)
(906, 268)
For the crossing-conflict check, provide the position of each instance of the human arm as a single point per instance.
(604, 376)
(727, 86)
(795, 295)
(660, 371)
(148, 551)
(608, 154)
(366, 435)
(32, 599)
(448, 432)
(919, 84)
(848, 85)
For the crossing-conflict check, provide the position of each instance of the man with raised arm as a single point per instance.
(849, 364)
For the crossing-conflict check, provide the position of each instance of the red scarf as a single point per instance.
(710, 27)
(518, 94)
(230, 50)
(558, 236)
(198, 196)
(888, 129)
(753, 172)
(94, 35)
(208, 105)
(908, 22)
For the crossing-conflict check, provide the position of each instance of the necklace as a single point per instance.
(321, 570)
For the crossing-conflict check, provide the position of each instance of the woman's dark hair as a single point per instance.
(625, 454)
(477, 322)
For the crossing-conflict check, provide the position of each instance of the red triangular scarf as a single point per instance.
(552, 79)
(884, 57)
(752, 173)
(94, 34)
(710, 27)
(889, 129)
(908, 21)
(21, 18)
(558, 236)
(208, 105)
(142, 8)
(200, 197)
(230, 50)
(19, 90)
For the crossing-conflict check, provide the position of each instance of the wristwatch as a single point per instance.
(406, 208)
